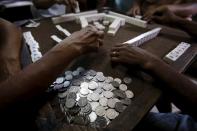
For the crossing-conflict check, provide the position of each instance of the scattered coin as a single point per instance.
(111, 103)
(127, 80)
(58, 86)
(76, 82)
(101, 122)
(126, 101)
(74, 89)
(66, 83)
(62, 95)
(118, 80)
(92, 72)
(71, 95)
(100, 111)
(68, 77)
(108, 94)
(84, 91)
(70, 103)
(100, 78)
(120, 107)
(75, 110)
(98, 90)
(103, 101)
(111, 114)
(129, 94)
(59, 80)
(68, 73)
(95, 97)
(75, 73)
(80, 69)
(123, 87)
(94, 105)
(119, 94)
(93, 85)
(115, 84)
(92, 116)
(107, 87)
(82, 102)
(109, 79)
(86, 109)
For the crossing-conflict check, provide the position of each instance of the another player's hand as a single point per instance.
(86, 40)
(165, 16)
(136, 56)
(69, 3)
(135, 10)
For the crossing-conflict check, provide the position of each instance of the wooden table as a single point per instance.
(146, 95)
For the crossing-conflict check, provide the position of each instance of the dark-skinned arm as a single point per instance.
(37, 77)
(182, 91)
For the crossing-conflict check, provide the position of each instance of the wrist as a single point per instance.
(151, 65)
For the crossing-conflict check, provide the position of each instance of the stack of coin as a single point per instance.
(88, 97)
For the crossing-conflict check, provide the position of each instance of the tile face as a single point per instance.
(177, 52)
(56, 39)
(66, 32)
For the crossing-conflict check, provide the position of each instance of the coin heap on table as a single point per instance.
(89, 98)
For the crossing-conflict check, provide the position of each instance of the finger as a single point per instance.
(138, 11)
(100, 34)
(115, 59)
(157, 19)
(114, 54)
(100, 42)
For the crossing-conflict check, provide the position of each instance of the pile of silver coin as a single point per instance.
(89, 98)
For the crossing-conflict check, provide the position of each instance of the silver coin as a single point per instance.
(119, 94)
(89, 77)
(70, 103)
(95, 97)
(101, 122)
(71, 95)
(100, 111)
(123, 87)
(103, 101)
(84, 85)
(94, 105)
(58, 86)
(93, 85)
(76, 82)
(107, 87)
(89, 97)
(98, 90)
(115, 84)
(68, 77)
(109, 79)
(111, 114)
(80, 95)
(127, 80)
(92, 116)
(82, 102)
(63, 94)
(86, 109)
(126, 101)
(66, 83)
(111, 103)
(84, 91)
(99, 73)
(117, 100)
(75, 73)
(95, 79)
(68, 73)
(74, 89)
(100, 78)
(59, 80)
(120, 107)
(118, 80)
(129, 94)
(92, 72)
(108, 94)
(80, 69)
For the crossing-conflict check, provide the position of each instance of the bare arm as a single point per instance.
(37, 77)
(179, 87)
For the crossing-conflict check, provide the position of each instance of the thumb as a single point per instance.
(157, 19)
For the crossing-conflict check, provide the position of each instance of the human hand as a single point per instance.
(86, 40)
(126, 54)
(135, 10)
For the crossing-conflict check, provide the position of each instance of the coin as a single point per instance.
(58, 86)
(129, 94)
(111, 114)
(92, 72)
(126, 101)
(66, 83)
(100, 111)
(120, 107)
(94, 105)
(76, 82)
(109, 79)
(82, 102)
(100, 78)
(74, 89)
(99, 73)
(62, 95)
(68, 77)
(71, 95)
(89, 97)
(111, 103)
(86, 109)
(127, 80)
(68, 73)
(115, 84)
(103, 101)
(84, 85)
(108, 94)
(93, 85)
(119, 94)
(123, 87)
(74, 110)
(98, 90)
(59, 80)
(84, 91)
(70, 103)
(89, 77)
(75, 73)
(101, 122)
(95, 96)
(118, 80)
(92, 116)
(80, 69)
(107, 87)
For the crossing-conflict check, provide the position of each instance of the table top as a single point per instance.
(146, 94)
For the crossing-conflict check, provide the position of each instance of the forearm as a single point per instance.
(43, 4)
(185, 9)
(188, 26)
(179, 87)
(37, 77)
